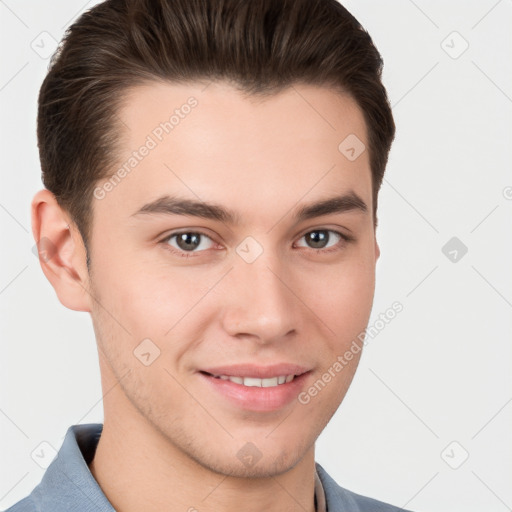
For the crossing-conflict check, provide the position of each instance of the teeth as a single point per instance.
(268, 383)
(255, 382)
(252, 382)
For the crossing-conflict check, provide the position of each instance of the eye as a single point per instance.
(187, 242)
(325, 240)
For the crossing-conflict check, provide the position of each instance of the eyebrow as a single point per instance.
(169, 205)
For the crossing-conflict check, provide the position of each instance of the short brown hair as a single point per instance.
(262, 46)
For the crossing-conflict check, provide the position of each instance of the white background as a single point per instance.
(439, 372)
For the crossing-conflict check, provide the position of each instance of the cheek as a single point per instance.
(136, 291)
(151, 302)
(354, 295)
(342, 295)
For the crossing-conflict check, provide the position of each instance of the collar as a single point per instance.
(319, 494)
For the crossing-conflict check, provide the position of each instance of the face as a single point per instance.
(248, 287)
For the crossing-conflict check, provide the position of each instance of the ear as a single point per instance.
(377, 250)
(61, 251)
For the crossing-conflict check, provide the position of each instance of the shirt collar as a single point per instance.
(68, 483)
(319, 494)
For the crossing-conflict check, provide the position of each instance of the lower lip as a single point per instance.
(254, 398)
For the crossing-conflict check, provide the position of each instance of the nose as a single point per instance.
(262, 304)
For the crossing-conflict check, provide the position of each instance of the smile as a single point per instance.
(256, 382)
(255, 388)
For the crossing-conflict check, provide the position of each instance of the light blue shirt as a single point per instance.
(69, 486)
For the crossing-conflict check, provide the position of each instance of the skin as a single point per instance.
(169, 441)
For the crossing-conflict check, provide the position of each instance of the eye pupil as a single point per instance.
(318, 238)
(187, 241)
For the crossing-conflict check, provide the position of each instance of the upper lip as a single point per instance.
(256, 371)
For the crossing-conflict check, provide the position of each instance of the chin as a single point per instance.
(265, 467)
(260, 459)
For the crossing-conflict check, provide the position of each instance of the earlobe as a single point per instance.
(61, 251)
(377, 250)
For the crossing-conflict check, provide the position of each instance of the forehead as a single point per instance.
(296, 113)
(210, 141)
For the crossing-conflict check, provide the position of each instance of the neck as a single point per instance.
(140, 469)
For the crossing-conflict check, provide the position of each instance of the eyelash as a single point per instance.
(345, 239)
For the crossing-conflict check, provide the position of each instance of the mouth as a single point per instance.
(268, 382)
(255, 388)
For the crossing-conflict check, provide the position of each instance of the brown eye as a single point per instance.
(188, 241)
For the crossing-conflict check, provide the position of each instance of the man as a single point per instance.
(211, 171)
